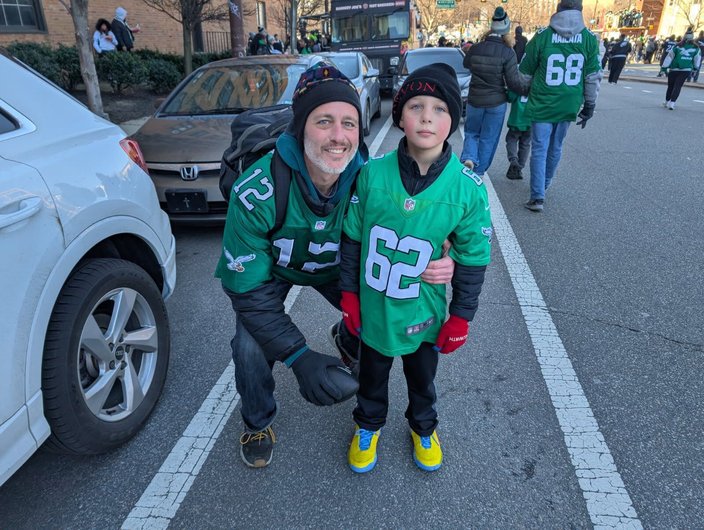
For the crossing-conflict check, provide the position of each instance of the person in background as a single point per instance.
(278, 45)
(493, 65)
(517, 136)
(649, 50)
(123, 31)
(678, 65)
(271, 41)
(520, 46)
(563, 60)
(617, 58)
(666, 48)
(699, 42)
(104, 40)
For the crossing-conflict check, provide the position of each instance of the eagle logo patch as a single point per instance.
(235, 264)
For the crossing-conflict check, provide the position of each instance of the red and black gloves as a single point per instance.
(453, 334)
(351, 313)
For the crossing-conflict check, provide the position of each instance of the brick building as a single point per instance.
(48, 21)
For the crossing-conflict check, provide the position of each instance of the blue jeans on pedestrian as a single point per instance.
(482, 130)
(253, 378)
(546, 151)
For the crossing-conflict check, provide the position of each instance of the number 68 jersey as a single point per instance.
(399, 235)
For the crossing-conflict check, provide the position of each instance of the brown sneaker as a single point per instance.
(469, 164)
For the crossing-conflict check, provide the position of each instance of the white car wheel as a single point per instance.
(105, 356)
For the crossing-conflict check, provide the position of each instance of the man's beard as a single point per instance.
(316, 157)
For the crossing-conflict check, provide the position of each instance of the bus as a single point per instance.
(378, 29)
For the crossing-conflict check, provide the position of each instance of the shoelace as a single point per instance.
(365, 438)
(425, 442)
(257, 436)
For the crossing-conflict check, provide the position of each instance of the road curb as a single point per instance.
(655, 81)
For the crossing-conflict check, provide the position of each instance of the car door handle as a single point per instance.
(27, 208)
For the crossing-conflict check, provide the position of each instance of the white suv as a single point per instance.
(88, 259)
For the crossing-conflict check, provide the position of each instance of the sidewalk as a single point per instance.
(131, 126)
(647, 73)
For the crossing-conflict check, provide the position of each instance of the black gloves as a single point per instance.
(311, 369)
(585, 114)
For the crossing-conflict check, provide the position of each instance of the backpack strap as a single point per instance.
(282, 186)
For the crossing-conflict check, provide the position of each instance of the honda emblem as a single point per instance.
(189, 172)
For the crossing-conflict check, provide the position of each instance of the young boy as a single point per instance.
(517, 137)
(406, 205)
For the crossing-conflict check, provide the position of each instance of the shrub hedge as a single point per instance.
(161, 72)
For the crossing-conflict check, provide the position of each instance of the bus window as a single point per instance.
(393, 26)
(350, 29)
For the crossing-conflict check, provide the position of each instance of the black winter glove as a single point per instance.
(313, 380)
(585, 114)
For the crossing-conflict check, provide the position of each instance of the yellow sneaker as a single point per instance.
(362, 454)
(426, 451)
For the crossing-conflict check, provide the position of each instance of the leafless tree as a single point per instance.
(189, 13)
(78, 9)
(692, 11)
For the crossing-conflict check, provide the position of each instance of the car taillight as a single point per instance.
(132, 149)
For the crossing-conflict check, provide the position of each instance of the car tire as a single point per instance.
(105, 357)
(377, 114)
(367, 121)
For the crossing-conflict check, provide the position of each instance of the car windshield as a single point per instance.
(452, 57)
(347, 64)
(233, 89)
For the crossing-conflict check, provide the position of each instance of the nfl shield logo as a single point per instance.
(409, 205)
(319, 225)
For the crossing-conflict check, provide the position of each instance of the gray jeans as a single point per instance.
(518, 147)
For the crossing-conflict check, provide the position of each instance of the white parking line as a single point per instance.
(163, 496)
(698, 101)
(628, 87)
(169, 487)
(647, 91)
(608, 502)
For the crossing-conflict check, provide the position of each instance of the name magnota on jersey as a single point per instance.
(558, 39)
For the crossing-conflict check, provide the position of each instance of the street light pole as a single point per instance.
(294, 28)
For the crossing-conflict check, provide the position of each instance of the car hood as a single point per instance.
(182, 139)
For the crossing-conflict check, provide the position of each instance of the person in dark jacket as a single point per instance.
(617, 58)
(122, 30)
(493, 65)
(520, 46)
(324, 149)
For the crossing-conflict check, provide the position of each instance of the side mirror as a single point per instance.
(372, 72)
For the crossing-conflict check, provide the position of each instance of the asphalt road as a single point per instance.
(614, 264)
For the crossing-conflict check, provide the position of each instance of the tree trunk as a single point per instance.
(187, 49)
(79, 14)
(237, 42)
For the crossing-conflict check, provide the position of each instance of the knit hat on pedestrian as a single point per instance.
(689, 35)
(500, 23)
(438, 80)
(318, 85)
(569, 4)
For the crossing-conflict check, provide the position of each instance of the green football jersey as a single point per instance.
(304, 251)
(558, 66)
(399, 235)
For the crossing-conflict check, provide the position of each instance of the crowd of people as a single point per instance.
(117, 35)
(261, 43)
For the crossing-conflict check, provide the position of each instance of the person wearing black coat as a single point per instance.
(618, 54)
(493, 65)
(520, 46)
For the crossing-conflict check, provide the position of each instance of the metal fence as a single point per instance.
(216, 41)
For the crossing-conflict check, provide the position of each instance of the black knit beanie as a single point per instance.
(318, 85)
(439, 80)
(569, 4)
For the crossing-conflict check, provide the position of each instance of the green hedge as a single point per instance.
(160, 71)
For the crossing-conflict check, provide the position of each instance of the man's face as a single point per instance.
(331, 136)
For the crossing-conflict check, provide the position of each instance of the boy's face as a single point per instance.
(426, 121)
(331, 136)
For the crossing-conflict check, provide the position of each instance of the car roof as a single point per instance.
(435, 49)
(259, 59)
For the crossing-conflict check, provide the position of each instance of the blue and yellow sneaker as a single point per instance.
(362, 454)
(426, 451)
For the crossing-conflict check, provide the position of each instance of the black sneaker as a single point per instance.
(348, 346)
(534, 205)
(514, 172)
(257, 448)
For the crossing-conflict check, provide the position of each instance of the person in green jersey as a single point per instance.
(678, 65)
(563, 60)
(324, 149)
(406, 205)
(517, 136)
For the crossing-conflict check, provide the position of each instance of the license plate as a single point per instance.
(186, 201)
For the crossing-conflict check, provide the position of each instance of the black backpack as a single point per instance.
(254, 134)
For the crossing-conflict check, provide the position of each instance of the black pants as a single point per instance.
(675, 80)
(419, 368)
(616, 65)
(518, 146)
